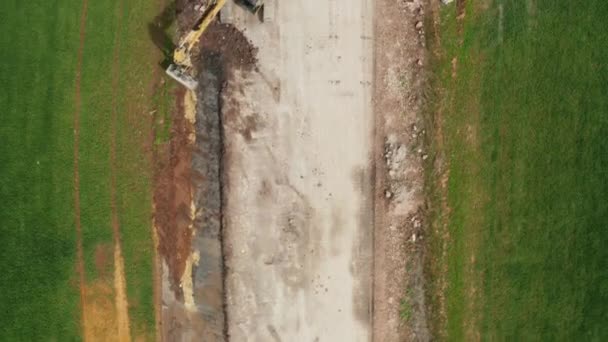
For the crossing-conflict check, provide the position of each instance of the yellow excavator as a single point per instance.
(182, 69)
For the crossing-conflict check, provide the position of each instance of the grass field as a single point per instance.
(39, 287)
(521, 121)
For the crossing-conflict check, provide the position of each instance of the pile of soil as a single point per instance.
(172, 197)
(226, 44)
(186, 13)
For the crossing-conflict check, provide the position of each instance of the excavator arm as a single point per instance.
(182, 69)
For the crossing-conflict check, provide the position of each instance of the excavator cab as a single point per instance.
(182, 75)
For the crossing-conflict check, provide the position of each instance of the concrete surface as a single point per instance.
(298, 194)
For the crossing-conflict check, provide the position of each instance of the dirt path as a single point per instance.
(298, 211)
(120, 283)
(400, 58)
(121, 300)
(173, 197)
(77, 224)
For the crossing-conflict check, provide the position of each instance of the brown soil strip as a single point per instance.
(120, 284)
(157, 278)
(77, 107)
(399, 310)
(173, 197)
(154, 155)
(157, 265)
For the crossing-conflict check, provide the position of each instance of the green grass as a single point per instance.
(38, 50)
(525, 127)
(36, 222)
(405, 309)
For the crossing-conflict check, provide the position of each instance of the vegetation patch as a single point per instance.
(520, 125)
(405, 310)
(40, 287)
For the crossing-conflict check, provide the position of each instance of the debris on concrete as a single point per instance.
(398, 259)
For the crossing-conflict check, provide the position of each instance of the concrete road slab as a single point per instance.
(298, 211)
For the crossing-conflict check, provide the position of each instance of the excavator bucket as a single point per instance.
(182, 76)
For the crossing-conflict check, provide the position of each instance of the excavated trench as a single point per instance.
(193, 295)
(223, 49)
(208, 275)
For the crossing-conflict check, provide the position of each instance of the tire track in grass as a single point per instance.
(120, 283)
(77, 223)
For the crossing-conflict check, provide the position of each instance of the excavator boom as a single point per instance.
(181, 69)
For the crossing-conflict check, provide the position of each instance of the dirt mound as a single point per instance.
(186, 13)
(233, 50)
(172, 197)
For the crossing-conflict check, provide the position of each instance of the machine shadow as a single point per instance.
(157, 30)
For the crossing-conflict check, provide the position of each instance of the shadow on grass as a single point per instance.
(157, 29)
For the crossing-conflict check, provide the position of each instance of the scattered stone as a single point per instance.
(425, 156)
(269, 260)
(400, 154)
(388, 194)
(413, 5)
(419, 25)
